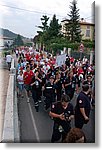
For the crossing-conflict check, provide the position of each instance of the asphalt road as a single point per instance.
(37, 127)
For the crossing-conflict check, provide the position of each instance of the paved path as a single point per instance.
(4, 80)
(37, 126)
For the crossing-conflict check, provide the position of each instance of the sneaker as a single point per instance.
(40, 101)
(28, 100)
(37, 109)
(22, 96)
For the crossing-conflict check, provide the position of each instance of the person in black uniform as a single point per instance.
(70, 84)
(49, 92)
(36, 84)
(82, 108)
(67, 62)
(62, 114)
(58, 85)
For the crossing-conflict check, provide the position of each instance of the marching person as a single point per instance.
(20, 83)
(62, 114)
(49, 92)
(27, 76)
(36, 85)
(82, 108)
(9, 60)
(59, 86)
(75, 135)
(70, 84)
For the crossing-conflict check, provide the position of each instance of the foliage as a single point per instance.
(73, 26)
(50, 36)
(48, 33)
(56, 47)
(42, 35)
(28, 44)
(18, 41)
(54, 28)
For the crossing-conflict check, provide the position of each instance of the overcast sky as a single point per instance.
(23, 16)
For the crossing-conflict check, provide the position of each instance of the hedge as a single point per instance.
(74, 46)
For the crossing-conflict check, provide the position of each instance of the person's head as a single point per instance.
(36, 73)
(71, 74)
(75, 135)
(58, 75)
(45, 63)
(64, 100)
(21, 72)
(51, 79)
(85, 86)
(89, 78)
(28, 68)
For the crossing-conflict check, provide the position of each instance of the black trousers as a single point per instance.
(35, 95)
(70, 93)
(56, 135)
(79, 124)
(9, 65)
(49, 100)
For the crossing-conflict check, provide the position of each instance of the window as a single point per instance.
(88, 31)
(88, 27)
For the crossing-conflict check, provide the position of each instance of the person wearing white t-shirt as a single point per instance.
(9, 60)
(17, 52)
(46, 67)
(20, 83)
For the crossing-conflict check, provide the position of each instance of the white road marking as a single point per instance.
(34, 125)
(33, 120)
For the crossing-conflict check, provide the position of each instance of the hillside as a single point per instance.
(8, 33)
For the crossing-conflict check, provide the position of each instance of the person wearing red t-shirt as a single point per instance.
(28, 57)
(80, 71)
(28, 74)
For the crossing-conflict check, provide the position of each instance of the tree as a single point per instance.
(42, 35)
(54, 28)
(18, 41)
(44, 26)
(48, 34)
(73, 26)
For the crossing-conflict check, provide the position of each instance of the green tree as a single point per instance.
(42, 35)
(44, 26)
(54, 28)
(18, 41)
(73, 26)
(48, 34)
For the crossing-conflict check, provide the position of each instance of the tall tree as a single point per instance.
(18, 41)
(42, 35)
(54, 27)
(44, 21)
(73, 26)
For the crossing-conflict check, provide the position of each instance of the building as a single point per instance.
(5, 42)
(87, 29)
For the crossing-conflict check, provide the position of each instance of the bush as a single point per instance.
(74, 46)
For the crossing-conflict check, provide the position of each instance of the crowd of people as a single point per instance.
(39, 74)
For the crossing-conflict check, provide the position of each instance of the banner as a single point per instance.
(60, 60)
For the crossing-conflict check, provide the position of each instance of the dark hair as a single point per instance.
(74, 135)
(89, 76)
(51, 77)
(65, 98)
(85, 86)
(27, 67)
(36, 70)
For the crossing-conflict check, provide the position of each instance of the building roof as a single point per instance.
(86, 23)
(81, 22)
(5, 38)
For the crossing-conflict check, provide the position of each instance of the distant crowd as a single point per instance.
(40, 75)
(42, 65)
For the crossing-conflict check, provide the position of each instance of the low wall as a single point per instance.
(11, 123)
